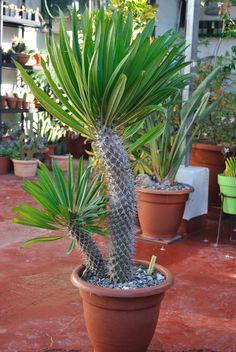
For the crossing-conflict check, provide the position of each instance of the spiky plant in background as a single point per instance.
(111, 83)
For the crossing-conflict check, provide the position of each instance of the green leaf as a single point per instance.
(41, 240)
(71, 247)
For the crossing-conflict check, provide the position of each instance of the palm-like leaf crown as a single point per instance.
(105, 85)
(112, 81)
(77, 205)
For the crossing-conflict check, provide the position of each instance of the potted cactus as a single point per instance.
(24, 161)
(111, 83)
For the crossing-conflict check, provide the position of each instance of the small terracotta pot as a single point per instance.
(61, 160)
(37, 57)
(25, 168)
(121, 320)
(19, 103)
(4, 165)
(3, 102)
(11, 102)
(26, 104)
(210, 156)
(160, 212)
(22, 58)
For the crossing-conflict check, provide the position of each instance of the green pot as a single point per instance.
(228, 188)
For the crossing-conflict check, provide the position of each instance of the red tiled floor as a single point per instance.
(40, 310)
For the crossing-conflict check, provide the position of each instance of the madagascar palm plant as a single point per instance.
(108, 83)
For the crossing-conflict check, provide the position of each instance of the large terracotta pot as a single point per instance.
(61, 160)
(121, 320)
(4, 165)
(160, 212)
(25, 168)
(211, 156)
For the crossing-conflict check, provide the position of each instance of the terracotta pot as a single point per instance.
(25, 168)
(211, 156)
(26, 104)
(22, 58)
(11, 102)
(19, 103)
(61, 160)
(121, 320)
(4, 165)
(37, 57)
(3, 102)
(160, 212)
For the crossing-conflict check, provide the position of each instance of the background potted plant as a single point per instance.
(218, 133)
(161, 200)
(227, 182)
(103, 89)
(26, 147)
(4, 132)
(52, 131)
(19, 48)
(60, 155)
(6, 152)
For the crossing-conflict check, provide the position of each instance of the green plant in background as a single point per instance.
(7, 149)
(142, 11)
(220, 127)
(230, 167)
(26, 147)
(113, 83)
(50, 130)
(164, 155)
(73, 204)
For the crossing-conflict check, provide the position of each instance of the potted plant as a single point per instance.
(11, 101)
(6, 152)
(20, 50)
(160, 197)
(25, 165)
(100, 93)
(4, 132)
(227, 183)
(217, 134)
(60, 155)
(52, 132)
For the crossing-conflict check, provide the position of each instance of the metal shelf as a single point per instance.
(11, 21)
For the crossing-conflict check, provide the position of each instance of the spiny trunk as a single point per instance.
(122, 217)
(88, 247)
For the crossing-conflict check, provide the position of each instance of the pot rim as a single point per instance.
(113, 292)
(165, 192)
(207, 146)
(21, 161)
(53, 156)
